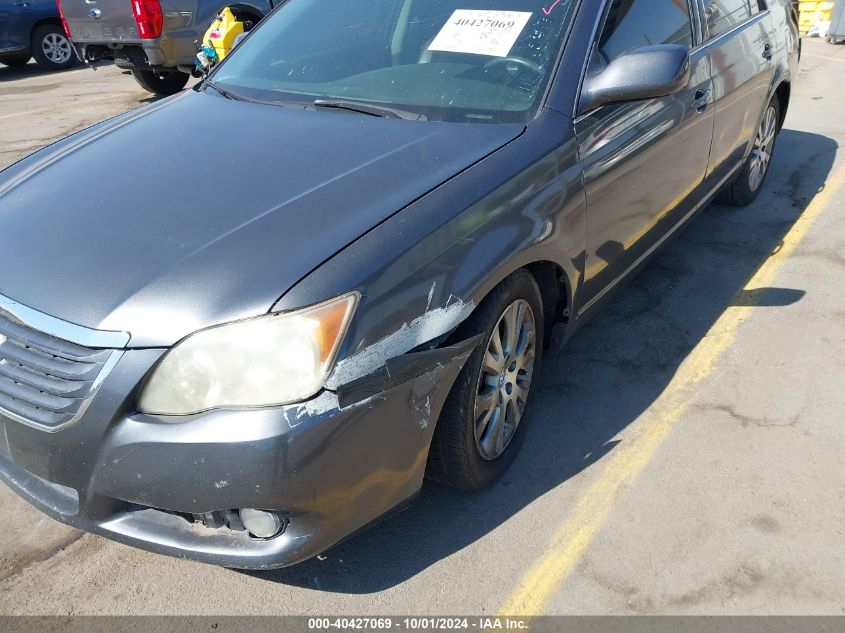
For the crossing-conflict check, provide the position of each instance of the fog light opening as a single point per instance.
(261, 523)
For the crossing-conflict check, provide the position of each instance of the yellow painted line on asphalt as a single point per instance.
(840, 60)
(629, 458)
(71, 104)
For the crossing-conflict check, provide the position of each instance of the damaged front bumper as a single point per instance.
(329, 466)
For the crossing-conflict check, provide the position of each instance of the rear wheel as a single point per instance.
(51, 48)
(747, 184)
(161, 82)
(483, 421)
(16, 61)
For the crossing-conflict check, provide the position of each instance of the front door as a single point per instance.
(642, 160)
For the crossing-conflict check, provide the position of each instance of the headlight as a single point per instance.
(269, 360)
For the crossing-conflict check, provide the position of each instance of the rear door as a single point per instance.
(101, 21)
(740, 38)
(643, 160)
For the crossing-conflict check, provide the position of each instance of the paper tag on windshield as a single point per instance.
(480, 32)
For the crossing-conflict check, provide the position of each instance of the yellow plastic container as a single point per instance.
(223, 32)
(811, 12)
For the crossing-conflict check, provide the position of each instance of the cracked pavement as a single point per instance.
(739, 511)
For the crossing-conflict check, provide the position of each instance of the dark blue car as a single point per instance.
(33, 28)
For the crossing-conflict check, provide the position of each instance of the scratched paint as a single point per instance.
(295, 414)
(424, 328)
(424, 419)
(326, 402)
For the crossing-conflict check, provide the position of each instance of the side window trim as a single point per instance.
(598, 25)
(698, 26)
(544, 100)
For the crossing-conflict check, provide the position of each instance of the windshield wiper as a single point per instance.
(224, 92)
(369, 108)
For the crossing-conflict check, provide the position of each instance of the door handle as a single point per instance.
(702, 98)
(767, 51)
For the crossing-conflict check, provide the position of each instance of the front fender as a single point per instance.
(421, 273)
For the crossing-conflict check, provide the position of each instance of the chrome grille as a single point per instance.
(46, 381)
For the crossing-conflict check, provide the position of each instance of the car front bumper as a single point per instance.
(328, 466)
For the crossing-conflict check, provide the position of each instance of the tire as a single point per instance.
(458, 457)
(161, 83)
(17, 61)
(748, 182)
(51, 48)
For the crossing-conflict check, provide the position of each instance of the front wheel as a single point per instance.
(51, 48)
(161, 83)
(484, 418)
(747, 184)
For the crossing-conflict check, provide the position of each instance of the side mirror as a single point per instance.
(644, 73)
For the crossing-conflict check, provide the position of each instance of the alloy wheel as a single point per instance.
(56, 48)
(761, 153)
(506, 371)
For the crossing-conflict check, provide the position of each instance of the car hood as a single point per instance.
(199, 210)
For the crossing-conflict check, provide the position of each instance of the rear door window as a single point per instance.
(723, 15)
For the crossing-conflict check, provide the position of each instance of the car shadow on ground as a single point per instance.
(9, 73)
(608, 374)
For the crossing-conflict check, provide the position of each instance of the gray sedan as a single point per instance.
(242, 323)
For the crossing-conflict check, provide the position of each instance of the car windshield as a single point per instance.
(446, 60)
